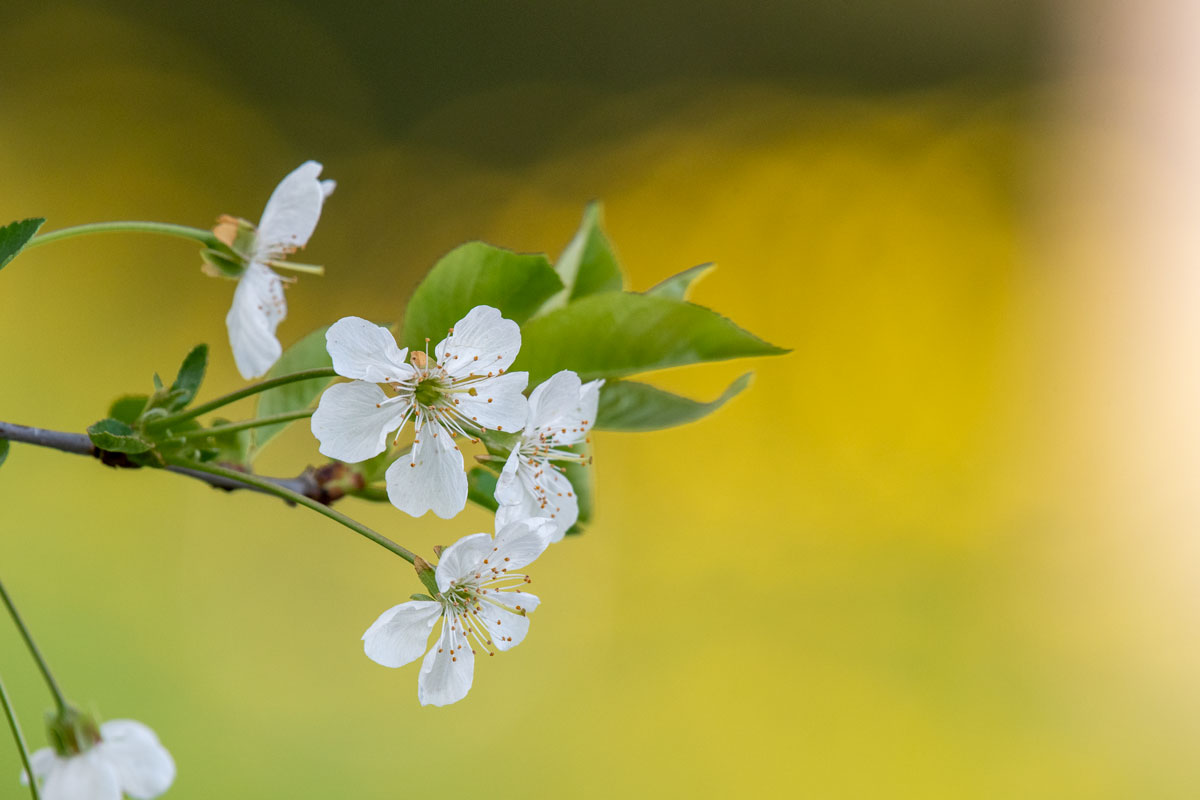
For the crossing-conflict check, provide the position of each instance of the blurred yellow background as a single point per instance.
(897, 566)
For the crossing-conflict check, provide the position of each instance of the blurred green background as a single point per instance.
(878, 573)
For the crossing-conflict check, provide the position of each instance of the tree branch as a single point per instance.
(324, 484)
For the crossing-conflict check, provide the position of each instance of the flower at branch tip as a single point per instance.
(479, 603)
(464, 388)
(258, 306)
(561, 412)
(120, 757)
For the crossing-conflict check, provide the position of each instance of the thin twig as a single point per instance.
(305, 483)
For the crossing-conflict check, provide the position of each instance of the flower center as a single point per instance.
(428, 392)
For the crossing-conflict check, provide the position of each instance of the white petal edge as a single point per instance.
(87, 776)
(292, 211)
(365, 351)
(430, 477)
(462, 559)
(42, 762)
(498, 403)
(483, 341)
(554, 397)
(401, 634)
(522, 541)
(447, 670)
(258, 308)
(143, 766)
(354, 420)
(509, 490)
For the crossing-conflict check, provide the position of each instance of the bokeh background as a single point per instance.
(945, 548)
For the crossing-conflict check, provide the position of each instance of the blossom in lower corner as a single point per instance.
(287, 222)
(480, 604)
(561, 412)
(465, 387)
(119, 757)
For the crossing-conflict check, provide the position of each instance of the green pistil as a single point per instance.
(429, 391)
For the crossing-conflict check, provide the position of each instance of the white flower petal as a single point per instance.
(258, 307)
(509, 489)
(555, 397)
(498, 403)
(430, 477)
(521, 542)
(562, 506)
(562, 419)
(292, 211)
(143, 766)
(366, 351)
(87, 776)
(327, 187)
(42, 762)
(353, 420)
(482, 342)
(401, 633)
(462, 559)
(448, 668)
(506, 629)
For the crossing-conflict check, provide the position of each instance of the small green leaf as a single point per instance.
(587, 264)
(191, 375)
(476, 274)
(3, 450)
(422, 597)
(621, 333)
(127, 409)
(117, 437)
(632, 406)
(308, 353)
(15, 235)
(481, 488)
(677, 287)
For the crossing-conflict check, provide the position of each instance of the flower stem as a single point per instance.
(59, 700)
(204, 237)
(22, 748)
(233, 397)
(232, 427)
(295, 497)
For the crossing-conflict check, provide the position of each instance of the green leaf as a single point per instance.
(481, 488)
(677, 287)
(308, 353)
(15, 235)
(476, 274)
(582, 478)
(587, 264)
(621, 333)
(117, 437)
(127, 409)
(632, 406)
(3, 450)
(191, 375)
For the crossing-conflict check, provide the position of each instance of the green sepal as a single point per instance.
(15, 235)
(679, 286)
(308, 353)
(419, 596)
(615, 334)
(471, 275)
(115, 436)
(222, 264)
(4, 447)
(632, 406)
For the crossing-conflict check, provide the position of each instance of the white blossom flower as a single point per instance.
(126, 759)
(480, 604)
(464, 387)
(258, 306)
(561, 412)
